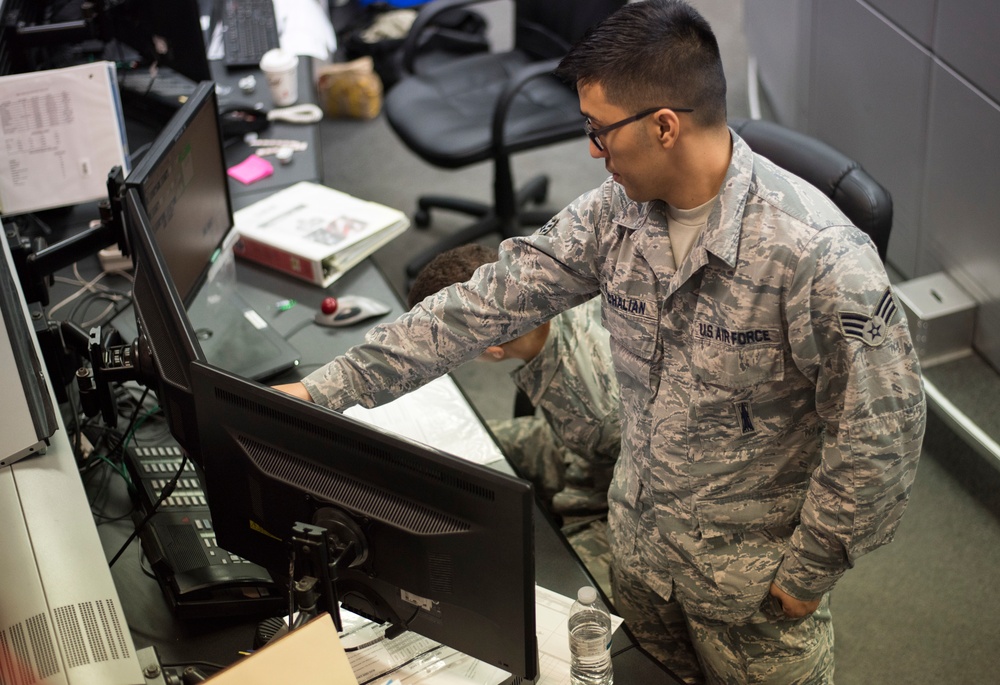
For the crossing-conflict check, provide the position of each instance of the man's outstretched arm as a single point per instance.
(296, 389)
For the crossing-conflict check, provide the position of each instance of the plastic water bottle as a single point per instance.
(590, 640)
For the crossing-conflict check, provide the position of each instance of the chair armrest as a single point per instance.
(423, 22)
(514, 85)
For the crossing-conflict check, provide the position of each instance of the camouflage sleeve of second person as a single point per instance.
(572, 382)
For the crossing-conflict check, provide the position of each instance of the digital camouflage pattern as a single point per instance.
(569, 448)
(772, 409)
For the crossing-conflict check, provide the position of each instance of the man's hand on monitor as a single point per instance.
(295, 390)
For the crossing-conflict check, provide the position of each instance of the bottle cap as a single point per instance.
(586, 595)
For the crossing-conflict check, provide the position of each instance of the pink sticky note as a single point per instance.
(251, 169)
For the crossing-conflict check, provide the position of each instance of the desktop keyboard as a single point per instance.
(198, 578)
(250, 30)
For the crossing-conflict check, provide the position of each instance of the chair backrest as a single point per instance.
(863, 199)
(546, 29)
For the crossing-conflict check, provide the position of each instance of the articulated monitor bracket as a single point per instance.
(319, 553)
(111, 360)
(37, 262)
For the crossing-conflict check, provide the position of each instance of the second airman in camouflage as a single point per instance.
(568, 448)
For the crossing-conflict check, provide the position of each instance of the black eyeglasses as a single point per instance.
(595, 133)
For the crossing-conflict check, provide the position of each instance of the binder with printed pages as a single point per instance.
(314, 232)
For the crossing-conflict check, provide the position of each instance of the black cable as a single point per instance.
(83, 304)
(119, 448)
(99, 501)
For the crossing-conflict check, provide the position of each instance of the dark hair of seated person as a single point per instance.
(453, 266)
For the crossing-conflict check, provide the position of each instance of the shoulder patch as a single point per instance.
(870, 328)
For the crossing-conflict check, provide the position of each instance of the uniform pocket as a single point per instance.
(633, 345)
(737, 368)
(776, 509)
(738, 405)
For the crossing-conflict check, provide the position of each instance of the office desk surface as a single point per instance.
(304, 165)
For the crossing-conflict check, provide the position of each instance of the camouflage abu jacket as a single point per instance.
(572, 382)
(772, 409)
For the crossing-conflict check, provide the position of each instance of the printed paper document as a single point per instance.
(62, 131)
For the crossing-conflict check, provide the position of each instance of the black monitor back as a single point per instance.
(167, 342)
(448, 545)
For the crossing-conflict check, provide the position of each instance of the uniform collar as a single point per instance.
(722, 234)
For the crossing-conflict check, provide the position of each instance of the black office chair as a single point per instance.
(490, 106)
(863, 199)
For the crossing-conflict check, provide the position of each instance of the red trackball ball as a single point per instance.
(329, 305)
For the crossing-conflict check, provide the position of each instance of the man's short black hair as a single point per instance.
(654, 53)
(453, 266)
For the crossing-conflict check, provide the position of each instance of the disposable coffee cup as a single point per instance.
(280, 68)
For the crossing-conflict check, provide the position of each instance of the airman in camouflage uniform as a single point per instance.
(572, 446)
(568, 448)
(772, 408)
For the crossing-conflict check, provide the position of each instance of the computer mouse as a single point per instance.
(348, 310)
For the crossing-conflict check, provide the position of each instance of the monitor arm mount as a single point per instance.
(319, 553)
(65, 343)
(37, 262)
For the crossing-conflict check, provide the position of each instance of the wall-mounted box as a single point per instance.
(941, 315)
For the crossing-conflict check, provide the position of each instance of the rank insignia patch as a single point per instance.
(544, 230)
(871, 329)
(745, 413)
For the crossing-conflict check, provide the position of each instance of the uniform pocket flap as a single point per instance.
(738, 367)
(750, 512)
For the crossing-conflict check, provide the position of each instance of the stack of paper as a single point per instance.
(314, 232)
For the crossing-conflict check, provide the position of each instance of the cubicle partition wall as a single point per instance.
(911, 89)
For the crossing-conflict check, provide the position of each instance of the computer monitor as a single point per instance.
(166, 344)
(38, 34)
(183, 186)
(15, 56)
(427, 541)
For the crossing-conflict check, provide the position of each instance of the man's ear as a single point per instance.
(496, 353)
(669, 127)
